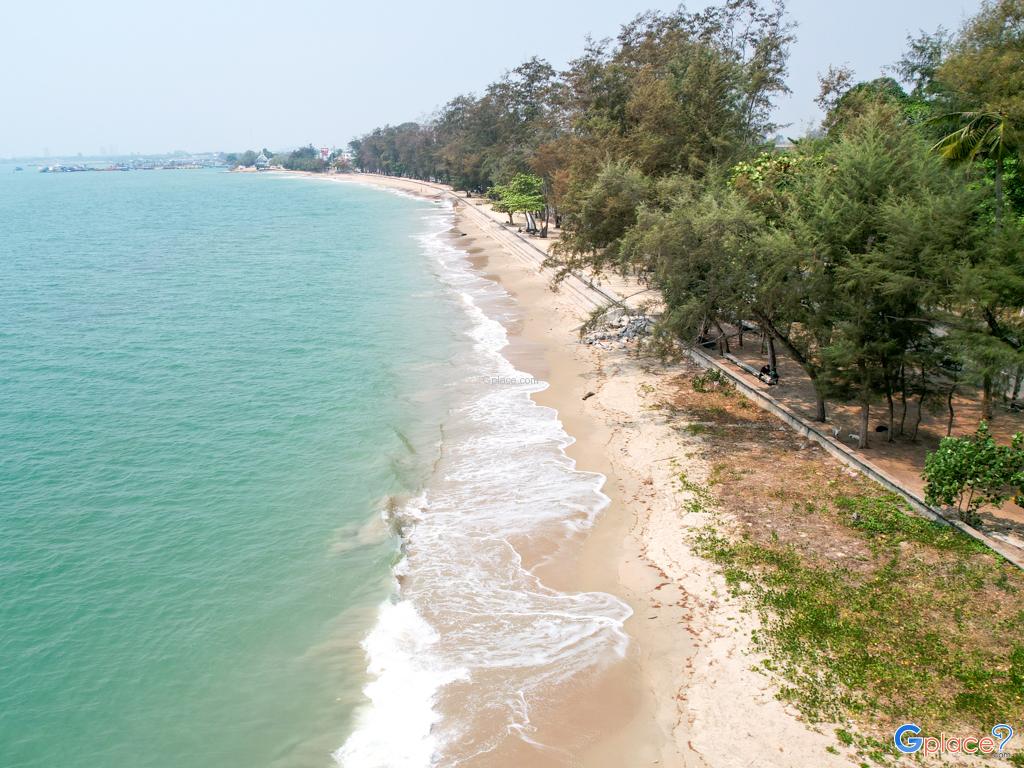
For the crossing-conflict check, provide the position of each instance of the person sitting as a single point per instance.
(768, 375)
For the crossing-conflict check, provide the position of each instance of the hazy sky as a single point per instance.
(155, 76)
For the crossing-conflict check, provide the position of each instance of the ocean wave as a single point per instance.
(472, 627)
(395, 729)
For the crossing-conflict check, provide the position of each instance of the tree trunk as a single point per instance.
(920, 411)
(774, 333)
(892, 412)
(949, 406)
(723, 337)
(865, 412)
(772, 360)
(819, 404)
(986, 397)
(903, 399)
(865, 405)
(999, 191)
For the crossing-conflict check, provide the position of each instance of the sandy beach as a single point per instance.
(686, 695)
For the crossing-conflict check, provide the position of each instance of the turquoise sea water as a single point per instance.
(209, 385)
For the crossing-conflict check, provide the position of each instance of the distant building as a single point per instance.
(262, 162)
(783, 144)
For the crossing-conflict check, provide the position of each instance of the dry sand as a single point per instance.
(686, 695)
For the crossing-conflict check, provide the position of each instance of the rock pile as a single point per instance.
(622, 329)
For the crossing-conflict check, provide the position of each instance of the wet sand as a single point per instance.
(606, 720)
(686, 694)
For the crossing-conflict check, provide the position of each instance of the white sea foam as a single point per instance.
(469, 614)
(394, 730)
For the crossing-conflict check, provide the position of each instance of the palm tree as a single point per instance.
(984, 135)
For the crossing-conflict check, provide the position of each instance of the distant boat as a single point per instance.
(18, 168)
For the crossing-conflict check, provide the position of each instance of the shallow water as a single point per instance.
(221, 395)
(209, 384)
(475, 625)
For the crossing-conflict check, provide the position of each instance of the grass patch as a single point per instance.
(887, 521)
(713, 380)
(870, 616)
(917, 633)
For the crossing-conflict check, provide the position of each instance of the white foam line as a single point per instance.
(507, 475)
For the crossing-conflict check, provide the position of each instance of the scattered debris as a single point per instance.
(589, 394)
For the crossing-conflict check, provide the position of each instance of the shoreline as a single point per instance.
(686, 687)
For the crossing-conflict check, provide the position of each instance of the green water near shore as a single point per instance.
(209, 383)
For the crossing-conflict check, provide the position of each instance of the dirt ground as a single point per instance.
(903, 458)
(783, 492)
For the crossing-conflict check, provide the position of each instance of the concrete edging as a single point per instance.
(762, 400)
(851, 459)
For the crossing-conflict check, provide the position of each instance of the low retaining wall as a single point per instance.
(598, 297)
(849, 457)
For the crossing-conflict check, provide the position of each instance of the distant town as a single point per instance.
(139, 164)
(305, 158)
(310, 159)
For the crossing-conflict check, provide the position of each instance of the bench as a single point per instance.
(768, 379)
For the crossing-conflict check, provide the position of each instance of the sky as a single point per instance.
(150, 76)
